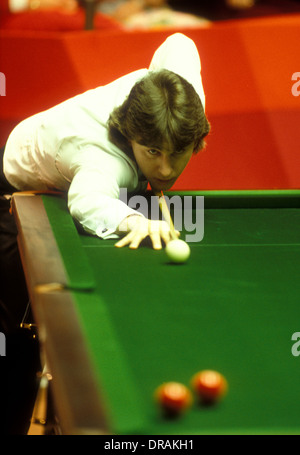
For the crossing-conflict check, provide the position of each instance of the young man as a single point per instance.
(143, 127)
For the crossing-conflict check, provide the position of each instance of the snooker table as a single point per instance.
(115, 323)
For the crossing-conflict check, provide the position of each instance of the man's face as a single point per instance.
(161, 167)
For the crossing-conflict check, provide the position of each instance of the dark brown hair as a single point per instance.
(162, 110)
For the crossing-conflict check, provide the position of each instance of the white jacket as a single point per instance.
(67, 147)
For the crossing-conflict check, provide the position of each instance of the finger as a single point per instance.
(136, 240)
(156, 240)
(124, 241)
(167, 233)
(121, 243)
(166, 236)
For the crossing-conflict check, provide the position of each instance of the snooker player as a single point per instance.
(141, 128)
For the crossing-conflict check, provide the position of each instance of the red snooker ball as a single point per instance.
(173, 397)
(210, 386)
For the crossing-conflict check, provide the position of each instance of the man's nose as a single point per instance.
(165, 169)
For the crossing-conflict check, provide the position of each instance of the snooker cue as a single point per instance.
(166, 213)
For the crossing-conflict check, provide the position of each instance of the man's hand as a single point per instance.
(138, 228)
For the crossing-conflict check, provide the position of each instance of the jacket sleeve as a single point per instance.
(180, 55)
(94, 193)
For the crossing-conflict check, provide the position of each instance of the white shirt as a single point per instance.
(67, 147)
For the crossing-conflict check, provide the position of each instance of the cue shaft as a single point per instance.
(166, 213)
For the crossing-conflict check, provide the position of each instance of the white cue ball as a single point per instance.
(178, 250)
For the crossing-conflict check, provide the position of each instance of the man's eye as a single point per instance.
(152, 152)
